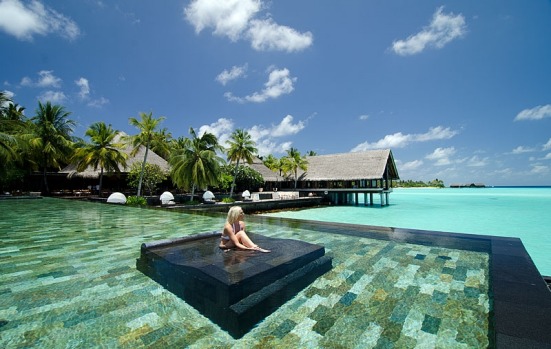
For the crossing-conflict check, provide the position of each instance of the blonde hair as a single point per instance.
(233, 214)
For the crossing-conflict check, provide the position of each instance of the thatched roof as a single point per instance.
(267, 174)
(370, 164)
(152, 158)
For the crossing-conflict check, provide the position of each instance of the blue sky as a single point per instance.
(459, 90)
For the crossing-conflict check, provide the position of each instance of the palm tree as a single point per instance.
(194, 161)
(103, 151)
(50, 139)
(146, 137)
(242, 147)
(294, 161)
(11, 123)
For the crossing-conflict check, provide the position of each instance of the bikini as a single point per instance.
(227, 238)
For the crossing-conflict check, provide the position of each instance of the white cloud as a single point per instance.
(412, 165)
(441, 156)
(476, 161)
(228, 18)
(235, 19)
(266, 138)
(539, 169)
(234, 73)
(442, 29)
(84, 86)
(400, 140)
(222, 129)
(536, 113)
(98, 103)
(279, 82)
(547, 145)
(266, 35)
(24, 21)
(46, 78)
(363, 117)
(547, 156)
(521, 150)
(53, 96)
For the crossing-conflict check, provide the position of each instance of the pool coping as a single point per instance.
(520, 298)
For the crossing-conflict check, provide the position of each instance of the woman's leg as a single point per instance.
(244, 239)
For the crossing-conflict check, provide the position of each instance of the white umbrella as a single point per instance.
(116, 198)
(208, 195)
(246, 194)
(166, 198)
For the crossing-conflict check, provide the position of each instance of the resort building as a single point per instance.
(340, 177)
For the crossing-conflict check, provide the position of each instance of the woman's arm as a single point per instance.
(228, 229)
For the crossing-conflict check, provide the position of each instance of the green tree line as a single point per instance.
(45, 143)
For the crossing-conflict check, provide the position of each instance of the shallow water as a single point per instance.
(68, 279)
(509, 212)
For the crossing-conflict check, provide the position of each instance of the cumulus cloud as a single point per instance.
(363, 117)
(53, 97)
(222, 129)
(536, 113)
(539, 169)
(477, 161)
(400, 140)
(98, 103)
(521, 150)
(26, 20)
(266, 35)
(46, 79)
(267, 138)
(279, 82)
(235, 19)
(441, 156)
(547, 146)
(412, 165)
(234, 73)
(84, 86)
(443, 29)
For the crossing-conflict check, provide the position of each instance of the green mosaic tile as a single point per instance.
(71, 282)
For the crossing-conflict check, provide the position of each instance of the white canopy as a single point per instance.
(117, 198)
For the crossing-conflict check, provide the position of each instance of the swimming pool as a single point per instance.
(507, 212)
(68, 279)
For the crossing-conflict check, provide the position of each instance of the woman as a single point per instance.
(234, 232)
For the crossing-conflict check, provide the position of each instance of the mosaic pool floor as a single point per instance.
(68, 280)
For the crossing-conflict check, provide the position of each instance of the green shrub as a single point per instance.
(228, 200)
(136, 201)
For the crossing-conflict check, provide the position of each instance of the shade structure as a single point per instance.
(246, 194)
(208, 195)
(166, 198)
(116, 198)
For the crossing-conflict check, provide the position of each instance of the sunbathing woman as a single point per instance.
(234, 232)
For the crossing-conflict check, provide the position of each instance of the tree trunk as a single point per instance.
(143, 170)
(46, 188)
(234, 178)
(100, 182)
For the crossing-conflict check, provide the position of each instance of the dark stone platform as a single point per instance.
(235, 289)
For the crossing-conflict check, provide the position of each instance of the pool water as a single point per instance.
(505, 212)
(68, 279)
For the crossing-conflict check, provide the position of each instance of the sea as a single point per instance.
(522, 212)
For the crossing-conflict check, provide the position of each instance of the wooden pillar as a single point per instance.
(387, 196)
(370, 199)
(356, 198)
(365, 199)
(382, 199)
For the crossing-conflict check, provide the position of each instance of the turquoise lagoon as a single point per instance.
(68, 279)
(523, 212)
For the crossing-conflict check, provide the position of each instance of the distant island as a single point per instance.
(437, 183)
(471, 185)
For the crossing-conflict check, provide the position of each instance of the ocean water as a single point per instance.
(523, 212)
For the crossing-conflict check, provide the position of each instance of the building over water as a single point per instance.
(341, 177)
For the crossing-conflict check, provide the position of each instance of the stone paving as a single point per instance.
(68, 279)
